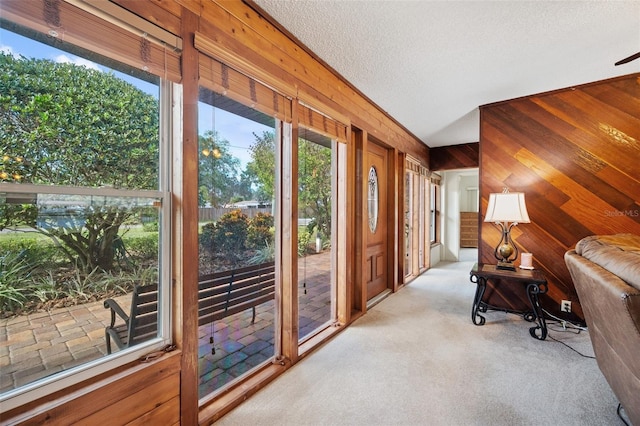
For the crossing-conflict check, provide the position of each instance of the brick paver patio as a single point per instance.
(38, 345)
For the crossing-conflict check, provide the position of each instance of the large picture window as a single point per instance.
(83, 209)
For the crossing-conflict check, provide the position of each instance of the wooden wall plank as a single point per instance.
(140, 404)
(288, 239)
(166, 414)
(193, 6)
(73, 406)
(462, 156)
(575, 154)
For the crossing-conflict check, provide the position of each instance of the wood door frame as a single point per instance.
(395, 217)
(358, 300)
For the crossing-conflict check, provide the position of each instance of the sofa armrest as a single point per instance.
(610, 305)
(612, 311)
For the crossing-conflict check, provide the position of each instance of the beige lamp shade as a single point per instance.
(507, 207)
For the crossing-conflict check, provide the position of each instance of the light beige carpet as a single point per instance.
(416, 359)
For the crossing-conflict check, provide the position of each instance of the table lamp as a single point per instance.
(506, 210)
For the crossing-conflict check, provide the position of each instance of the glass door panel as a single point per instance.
(408, 224)
(236, 234)
(316, 188)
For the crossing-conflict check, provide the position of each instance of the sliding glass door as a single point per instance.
(316, 192)
(237, 242)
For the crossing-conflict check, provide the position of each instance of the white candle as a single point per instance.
(526, 260)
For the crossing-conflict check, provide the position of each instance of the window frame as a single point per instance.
(336, 189)
(72, 376)
(434, 203)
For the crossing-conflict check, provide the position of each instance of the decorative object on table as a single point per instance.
(526, 261)
(506, 210)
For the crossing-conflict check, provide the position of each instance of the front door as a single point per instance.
(376, 274)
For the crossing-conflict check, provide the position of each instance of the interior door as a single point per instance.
(376, 274)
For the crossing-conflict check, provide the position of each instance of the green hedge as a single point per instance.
(33, 270)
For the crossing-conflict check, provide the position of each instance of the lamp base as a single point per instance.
(506, 266)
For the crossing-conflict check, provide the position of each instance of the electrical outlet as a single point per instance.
(565, 306)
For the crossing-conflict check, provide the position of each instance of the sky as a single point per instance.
(235, 129)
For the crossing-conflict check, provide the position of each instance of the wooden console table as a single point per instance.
(534, 282)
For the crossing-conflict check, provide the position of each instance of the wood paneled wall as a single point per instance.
(165, 392)
(453, 157)
(137, 394)
(238, 35)
(575, 153)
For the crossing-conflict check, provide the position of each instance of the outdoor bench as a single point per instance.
(220, 295)
(226, 293)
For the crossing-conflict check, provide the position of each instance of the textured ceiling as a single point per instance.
(430, 64)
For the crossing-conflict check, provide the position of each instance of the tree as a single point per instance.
(262, 166)
(314, 177)
(218, 170)
(314, 184)
(62, 124)
(244, 189)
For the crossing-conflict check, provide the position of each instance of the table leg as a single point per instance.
(533, 290)
(477, 300)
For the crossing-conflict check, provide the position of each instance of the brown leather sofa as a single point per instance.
(606, 273)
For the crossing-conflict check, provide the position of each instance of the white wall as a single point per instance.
(468, 193)
(436, 252)
(455, 198)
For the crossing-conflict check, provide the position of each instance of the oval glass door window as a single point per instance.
(372, 201)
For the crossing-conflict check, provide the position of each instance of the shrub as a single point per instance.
(28, 283)
(46, 288)
(122, 282)
(263, 254)
(230, 233)
(79, 286)
(260, 231)
(304, 239)
(150, 227)
(143, 247)
(15, 281)
(36, 251)
(206, 237)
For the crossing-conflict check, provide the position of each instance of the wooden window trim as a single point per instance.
(320, 123)
(225, 80)
(216, 51)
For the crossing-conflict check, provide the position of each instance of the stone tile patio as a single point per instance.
(38, 345)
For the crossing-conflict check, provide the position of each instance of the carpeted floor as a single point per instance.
(416, 359)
